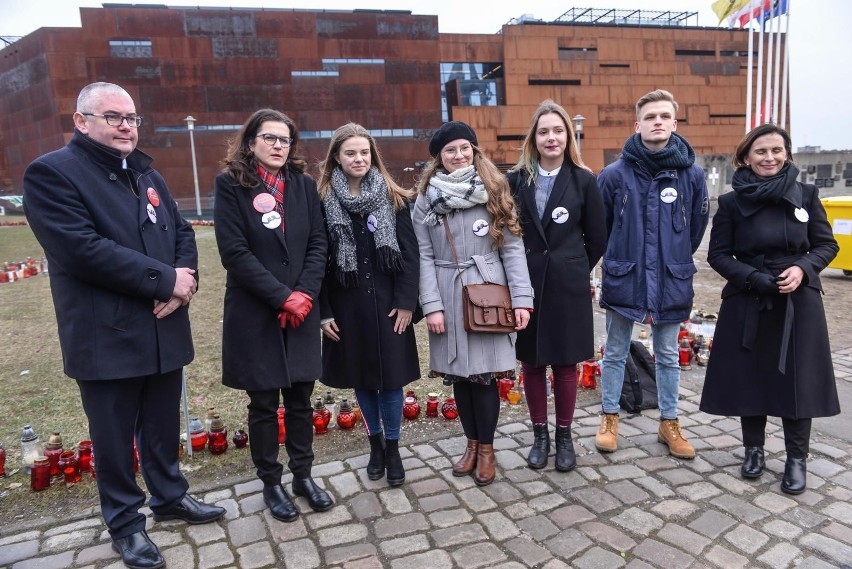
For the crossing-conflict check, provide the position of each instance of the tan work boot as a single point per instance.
(607, 438)
(671, 435)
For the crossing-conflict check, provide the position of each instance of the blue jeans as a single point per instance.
(381, 407)
(619, 331)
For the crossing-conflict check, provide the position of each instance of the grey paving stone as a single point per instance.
(338, 535)
(555, 564)
(519, 475)
(655, 463)
(621, 472)
(205, 533)
(478, 555)
(638, 521)
(214, 555)
(828, 450)
(246, 530)
(546, 502)
(316, 520)
(477, 500)
(70, 540)
(251, 504)
(99, 553)
(232, 508)
(567, 480)
(256, 555)
(349, 553)
(816, 563)
(439, 502)
(76, 526)
(627, 492)
(498, 526)
(683, 538)
(827, 547)
(218, 495)
(519, 511)
(534, 487)
(838, 531)
(654, 486)
(680, 476)
(425, 452)
(400, 525)
(802, 517)
(676, 509)
(512, 428)
(417, 474)
(404, 545)
(57, 561)
(509, 459)
(538, 527)
(162, 539)
(698, 464)
(720, 458)
(596, 500)
(662, 555)
(395, 501)
(524, 548)
(780, 555)
(597, 558)
(366, 506)
(180, 557)
(569, 515)
(568, 543)
(746, 538)
(285, 531)
(725, 558)
(782, 529)
(435, 559)
(502, 492)
(712, 524)
(773, 503)
(698, 491)
(824, 468)
(429, 486)
(344, 484)
(606, 534)
(457, 535)
(327, 469)
(299, 554)
(733, 485)
(248, 487)
(840, 511)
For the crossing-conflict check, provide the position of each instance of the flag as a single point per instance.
(724, 8)
(765, 12)
(734, 18)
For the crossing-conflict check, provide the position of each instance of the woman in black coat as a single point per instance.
(273, 245)
(562, 215)
(771, 355)
(370, 291)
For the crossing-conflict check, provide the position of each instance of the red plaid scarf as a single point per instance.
(274, 184)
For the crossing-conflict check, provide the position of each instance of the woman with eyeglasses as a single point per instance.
(464, 197)
(272, 243)
(370, 291)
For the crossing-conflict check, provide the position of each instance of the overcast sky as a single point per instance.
(820, 41)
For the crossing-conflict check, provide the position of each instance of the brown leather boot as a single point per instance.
(485, 465)
(607, 438)
(467, 462)
(671, 436)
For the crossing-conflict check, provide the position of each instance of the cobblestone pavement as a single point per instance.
(635, 508)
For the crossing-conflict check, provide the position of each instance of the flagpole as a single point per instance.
(767, 103)
(786, 85)
(750, 77)
(758, 115)
(776, 94)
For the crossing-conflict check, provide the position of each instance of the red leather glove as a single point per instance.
(298, 304)
(287, 320)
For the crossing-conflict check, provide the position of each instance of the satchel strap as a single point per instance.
(452, 245)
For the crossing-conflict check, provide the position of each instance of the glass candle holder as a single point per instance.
(684, 353)
(70, 467)
(321, 417)
(432, 405)
(197, 435)
(217, 438)
(514, 396)
(84, 455)
(449, 409)
(2, 460)
(40, 474)
(282, 431)
(345, 415)
(240, 438)
(504, 384)
(410, 393)
(410, 408)
(30, 448)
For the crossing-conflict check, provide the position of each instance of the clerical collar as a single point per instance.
(551, 173)
(124, 163)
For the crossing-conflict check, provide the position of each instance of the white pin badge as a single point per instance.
(480, 228)
(372, 223)
(801, 214)
(559, 215)
(668, 195)
(152, 213)
(271, 219)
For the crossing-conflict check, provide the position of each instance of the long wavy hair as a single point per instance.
(530, 156)
(744, 147)
(240, 163)
(500, 204)
(398, 196)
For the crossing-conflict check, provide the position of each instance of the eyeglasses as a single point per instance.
(271, 139)
(133, 121)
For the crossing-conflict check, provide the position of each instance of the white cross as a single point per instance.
(713, 177)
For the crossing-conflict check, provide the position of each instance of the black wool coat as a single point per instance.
(743, 376)
(370, 355)
(560, 257)
(109, 261)
(264, 266)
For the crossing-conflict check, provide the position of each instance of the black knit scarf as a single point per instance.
(751, 187)
(677, 154)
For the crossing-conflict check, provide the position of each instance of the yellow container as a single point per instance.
(839, 212)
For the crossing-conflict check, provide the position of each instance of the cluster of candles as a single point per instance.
(214, 435)
(51, 463)
(11, 272)
(691, 346)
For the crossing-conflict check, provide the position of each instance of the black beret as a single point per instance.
(449, 132)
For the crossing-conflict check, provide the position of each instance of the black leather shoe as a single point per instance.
(753, 462)
(318, 499)
(280, 505)
(138, 551)
(537, 458)
(191, 511)
(393, 462)
(566, 459)
(795, 476)
(376, 465)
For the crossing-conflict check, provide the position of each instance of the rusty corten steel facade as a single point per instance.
(220, 65)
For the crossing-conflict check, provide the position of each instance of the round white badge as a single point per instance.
(271, 219)
(480, 228)
(559, 215)
(372, 223)
(152, 213)
(668, 195)
(801, 214)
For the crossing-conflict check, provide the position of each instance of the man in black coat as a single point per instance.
(123, 270)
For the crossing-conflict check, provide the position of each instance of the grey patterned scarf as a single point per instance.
(458, 190)
(373, 201)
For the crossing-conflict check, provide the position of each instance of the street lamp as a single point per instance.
(190, 126)
(578, 129)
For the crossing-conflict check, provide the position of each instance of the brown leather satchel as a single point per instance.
(487, 307)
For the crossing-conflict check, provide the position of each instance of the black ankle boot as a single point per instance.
(376, 466)
(753, 462)
(393, 462)
(565, 458)
(537, 457)
(795, 475)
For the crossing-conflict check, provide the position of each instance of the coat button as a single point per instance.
(367, 261)
(165, 227)
(285, 262)
(544, 252)
(367, 276)
(153, 275)
(527, 251)
(113, 177)
(369, 291)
